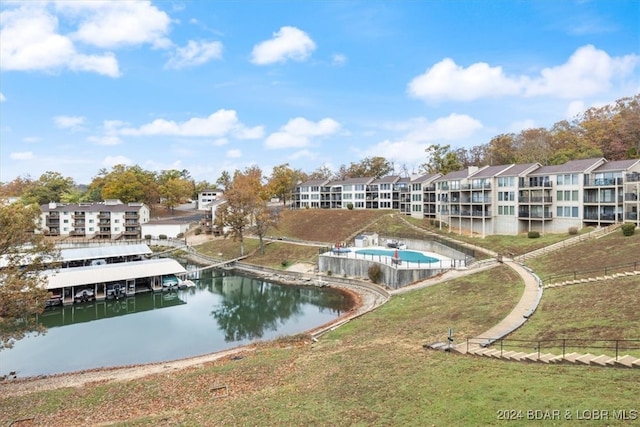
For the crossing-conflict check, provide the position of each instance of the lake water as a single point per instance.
(221, 312)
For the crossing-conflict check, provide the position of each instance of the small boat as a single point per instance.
(170, 282)
(84, 296)
(116, 291)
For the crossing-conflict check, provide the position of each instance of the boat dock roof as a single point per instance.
(79, 276)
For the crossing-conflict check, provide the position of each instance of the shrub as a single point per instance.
(375, 273)
(628, 229)
(350, 206)
(197, 231)
(329, 272)
(533, 234)
(284, 263)
(180, 236)
(573, 231)
(162, 237)
(147, 236)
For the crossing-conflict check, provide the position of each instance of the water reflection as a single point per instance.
(220, 312)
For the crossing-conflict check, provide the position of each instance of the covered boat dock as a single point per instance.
(99, 282)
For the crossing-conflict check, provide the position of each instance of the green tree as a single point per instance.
(50, 187)
(25, 254)
(130, 184)
(440, 159)
(175, 190)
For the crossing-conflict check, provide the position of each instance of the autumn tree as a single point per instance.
(440, 159)
(376, 167)
(25, 254)
(322, 172)
(174, 188)
(502, 149)
(244, 197)
(17, 187)
(283, 181)
(130, 184)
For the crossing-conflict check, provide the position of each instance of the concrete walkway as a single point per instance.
(520, 313)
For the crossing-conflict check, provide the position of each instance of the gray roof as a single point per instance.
(313, 182)
(491, 171)
(572, 166)
(99, 252)
(80, 276)
(426, 177)
(455, 175)
(351, 181)
(617, 165)
(519, 169)
(386, 179)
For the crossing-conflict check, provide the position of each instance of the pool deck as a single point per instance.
(443, 261)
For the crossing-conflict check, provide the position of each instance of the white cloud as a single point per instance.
(287, 43)
(447, 80)
(303, 154)
(68, 122)
(113, 24)
(450, 128)
(21, 155)
(219, 124)
(588, 71)
(402, 151)
(575, 108)
(339, 59)
(298, 132)
(220, 142)
(419, 133)
(111, 161)
(29, 40)
(519, 126)
(195, 53)
(2, 97)
(105, 140)
(234, 153)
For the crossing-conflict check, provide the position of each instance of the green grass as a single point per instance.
(589, 258)
(597, 314)
(371, 371)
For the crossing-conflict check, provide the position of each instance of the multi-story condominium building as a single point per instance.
(502, 199)
(207, 197)
(110, 219)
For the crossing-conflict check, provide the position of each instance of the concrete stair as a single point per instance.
(587, 359)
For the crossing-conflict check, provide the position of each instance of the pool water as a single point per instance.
(408, 256)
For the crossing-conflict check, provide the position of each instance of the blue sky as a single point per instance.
(222, 85)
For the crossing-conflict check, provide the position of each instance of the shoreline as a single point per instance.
(364, 301)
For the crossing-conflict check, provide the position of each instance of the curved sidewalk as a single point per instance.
(520, 313)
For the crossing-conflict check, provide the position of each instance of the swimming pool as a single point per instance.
(407, 256)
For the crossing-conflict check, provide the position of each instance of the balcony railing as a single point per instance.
(633, 177)
(536, 199)
(534, 215)
(598, 182)
(131, 215)
(630, 197)
(547, 184)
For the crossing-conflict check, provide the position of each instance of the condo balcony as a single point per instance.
(601, 182)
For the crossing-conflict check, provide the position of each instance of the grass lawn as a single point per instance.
(589, 258)
(371, 371)
(596, 314)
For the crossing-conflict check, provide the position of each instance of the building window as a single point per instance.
(574, 211)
